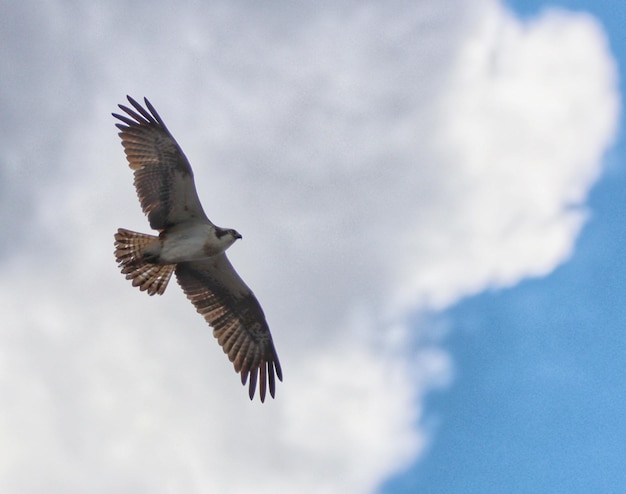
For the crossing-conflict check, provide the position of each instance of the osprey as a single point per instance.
(191, 246)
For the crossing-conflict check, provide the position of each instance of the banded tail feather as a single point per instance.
(149, 277)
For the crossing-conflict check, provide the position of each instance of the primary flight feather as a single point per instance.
(190, 246)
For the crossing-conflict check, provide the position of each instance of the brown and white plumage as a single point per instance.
(190, 246)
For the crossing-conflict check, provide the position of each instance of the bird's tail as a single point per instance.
(150, 277)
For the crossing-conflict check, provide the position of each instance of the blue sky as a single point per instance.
(539, 398)
(430, 195)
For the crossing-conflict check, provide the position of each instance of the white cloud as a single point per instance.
(527, 114)
(368, 155)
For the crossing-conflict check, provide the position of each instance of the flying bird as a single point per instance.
(191, 246)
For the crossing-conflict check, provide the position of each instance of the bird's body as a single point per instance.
(190, 242)
(191, 246)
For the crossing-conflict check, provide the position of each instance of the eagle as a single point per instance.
(191, 246)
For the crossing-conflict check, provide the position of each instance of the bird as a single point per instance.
(190, 246)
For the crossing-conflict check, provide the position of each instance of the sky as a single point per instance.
(430, 197)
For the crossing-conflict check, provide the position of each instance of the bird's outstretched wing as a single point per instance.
(163, 176)
(231, 309)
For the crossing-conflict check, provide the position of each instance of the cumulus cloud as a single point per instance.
(380, 162)
(524, 133)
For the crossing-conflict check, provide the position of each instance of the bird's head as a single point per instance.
(227, 236)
